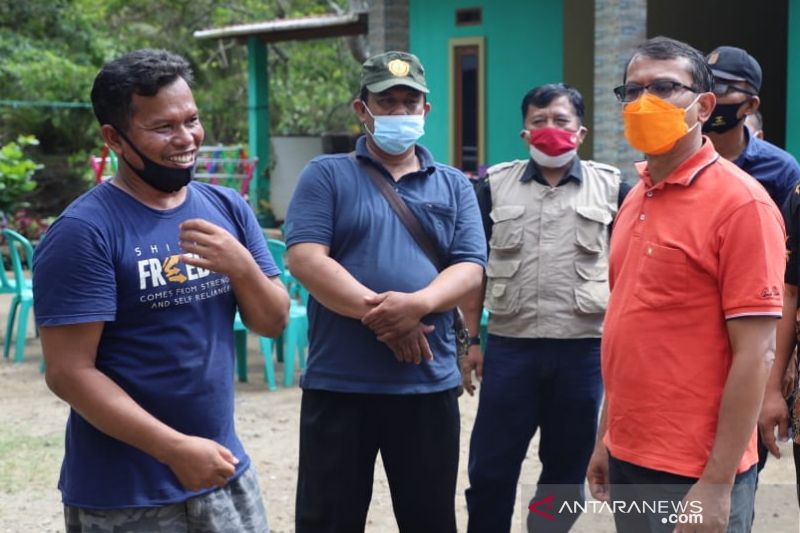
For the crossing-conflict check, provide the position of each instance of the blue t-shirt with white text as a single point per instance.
(167, 338)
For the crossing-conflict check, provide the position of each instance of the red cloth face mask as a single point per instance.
(553, 141)
(552, 147)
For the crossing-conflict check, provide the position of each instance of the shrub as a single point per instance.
(16, 172)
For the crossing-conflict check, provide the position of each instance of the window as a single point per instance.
(469, 17)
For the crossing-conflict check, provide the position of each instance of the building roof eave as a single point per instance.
(296, 29)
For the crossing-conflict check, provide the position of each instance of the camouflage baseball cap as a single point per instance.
(389, 69)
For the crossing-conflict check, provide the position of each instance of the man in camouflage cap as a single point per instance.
(382, 374)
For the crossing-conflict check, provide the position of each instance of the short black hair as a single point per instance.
(143, 72)
(542, 95)
(664, 48)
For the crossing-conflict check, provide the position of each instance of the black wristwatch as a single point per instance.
(474, 341)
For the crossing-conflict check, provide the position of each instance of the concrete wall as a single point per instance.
(620, 25)
(388, 26)
(290, 155)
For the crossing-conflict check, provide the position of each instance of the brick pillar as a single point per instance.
(620, 25)
(388, 26)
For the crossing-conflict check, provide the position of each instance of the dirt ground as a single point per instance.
(31, 445)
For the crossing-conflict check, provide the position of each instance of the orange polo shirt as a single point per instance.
(702, 246)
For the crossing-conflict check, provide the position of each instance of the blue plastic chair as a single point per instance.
(292, 344)
(240, 338)
(484, 328)
(267, 345)
(8, 286)
(278, 250)
(294, 340)
(23, 294)
(240, 346)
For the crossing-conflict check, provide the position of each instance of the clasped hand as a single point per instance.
(394, 315)
(395, 320)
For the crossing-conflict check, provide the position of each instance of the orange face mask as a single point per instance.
(653, 125)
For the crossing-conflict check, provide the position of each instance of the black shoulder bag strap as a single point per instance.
(413, 226)
(400, 207)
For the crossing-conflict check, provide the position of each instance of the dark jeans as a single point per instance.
(340, 436)
(529, 384)
(635, 484)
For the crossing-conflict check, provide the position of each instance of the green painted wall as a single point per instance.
(793, 81)
(523, 48)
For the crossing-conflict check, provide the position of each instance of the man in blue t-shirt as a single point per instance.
(382, 373)
(136, 286)
(737, 81)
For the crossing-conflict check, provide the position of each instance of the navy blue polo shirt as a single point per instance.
(774, 168)
(791, 219)
(336, 204)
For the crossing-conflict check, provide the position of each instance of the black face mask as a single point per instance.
(164, 179)
(723, 118)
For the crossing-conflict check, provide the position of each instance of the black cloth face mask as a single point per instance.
(164, 179)
(723, 118)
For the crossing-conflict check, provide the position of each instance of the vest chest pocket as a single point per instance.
(505, 268)
(507, 228)
(591, 234)
(591, 295)
(501, 299)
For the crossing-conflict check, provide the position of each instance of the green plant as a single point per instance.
(16, 172)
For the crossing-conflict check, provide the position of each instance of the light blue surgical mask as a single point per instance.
(394, 134)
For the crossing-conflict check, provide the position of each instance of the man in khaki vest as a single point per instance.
(547, 220)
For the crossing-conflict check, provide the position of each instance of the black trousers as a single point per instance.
(340, 436)
(796, 453)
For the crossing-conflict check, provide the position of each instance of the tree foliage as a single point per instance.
(16, 170)
(52, 49)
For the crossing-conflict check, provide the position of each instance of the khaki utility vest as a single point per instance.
(547, 275)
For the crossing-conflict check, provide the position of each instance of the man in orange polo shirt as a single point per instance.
(696, 271)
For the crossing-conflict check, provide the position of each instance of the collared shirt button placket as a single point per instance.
(642, 216)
